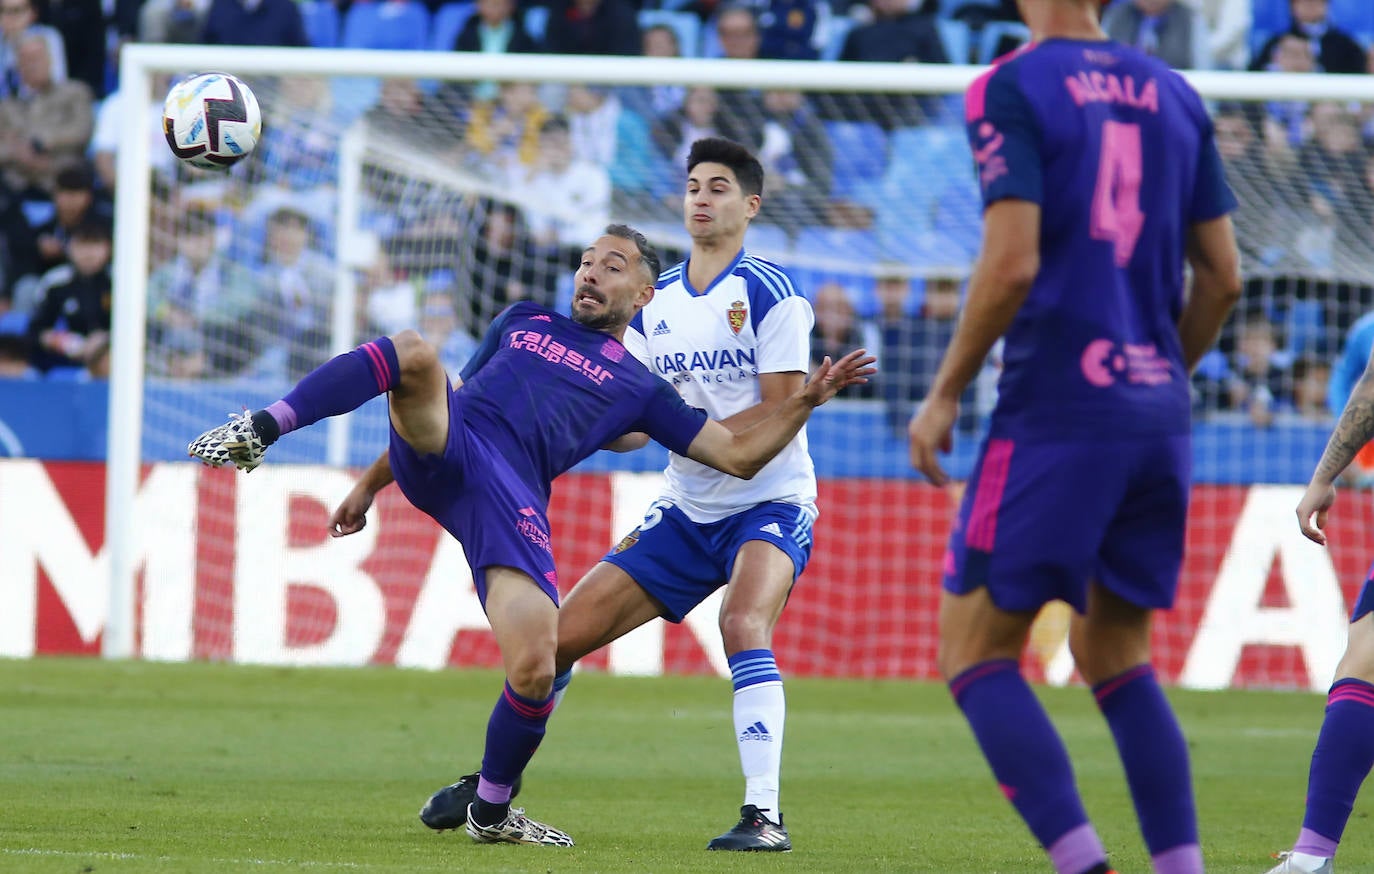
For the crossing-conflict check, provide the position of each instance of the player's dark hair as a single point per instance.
(648, 255)
(718, 150)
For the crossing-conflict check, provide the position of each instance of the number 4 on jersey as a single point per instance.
(1116, 215)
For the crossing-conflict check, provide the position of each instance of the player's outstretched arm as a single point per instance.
(350, 516)
(628, 442)
(1003, 276)
(1354, 429)
(745, 453)
(1215, 259)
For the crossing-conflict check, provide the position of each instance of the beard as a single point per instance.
(607, 320)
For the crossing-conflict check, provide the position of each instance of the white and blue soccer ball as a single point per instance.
(211, 120)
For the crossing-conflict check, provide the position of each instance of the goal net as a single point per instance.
(430, 190)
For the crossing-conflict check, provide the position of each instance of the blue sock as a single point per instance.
(1029, 761)
(1155, 757)
(514, 732)
(340, 385)
(1340, 763)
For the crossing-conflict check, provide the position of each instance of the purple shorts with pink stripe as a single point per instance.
(472, 492)
(1041, 520)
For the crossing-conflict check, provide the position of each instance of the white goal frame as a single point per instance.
(138, 63)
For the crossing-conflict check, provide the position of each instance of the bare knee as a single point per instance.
(1102, 654)
(414, 353)
(531, 677)
(742, 630)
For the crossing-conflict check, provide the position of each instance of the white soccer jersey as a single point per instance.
(712, 345)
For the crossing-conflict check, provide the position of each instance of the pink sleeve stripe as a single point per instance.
(380, 371)
(975, 99)
(992, 482)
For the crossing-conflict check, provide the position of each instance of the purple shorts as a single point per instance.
(472, 492)
(1041, 520)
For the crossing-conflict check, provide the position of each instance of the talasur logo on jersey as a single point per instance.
(737, 313)
(991, 164)
(1104, 362)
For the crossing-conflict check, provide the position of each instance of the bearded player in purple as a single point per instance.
(542, 393)
(1100, 178)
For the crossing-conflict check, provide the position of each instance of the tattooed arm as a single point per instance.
(1353, 431)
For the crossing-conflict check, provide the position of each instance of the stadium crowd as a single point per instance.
(884, 180)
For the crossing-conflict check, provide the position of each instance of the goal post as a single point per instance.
(399, 217)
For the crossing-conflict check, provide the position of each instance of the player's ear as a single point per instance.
(646, 294)
(752, 204)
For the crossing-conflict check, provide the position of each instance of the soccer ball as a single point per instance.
(211, 120)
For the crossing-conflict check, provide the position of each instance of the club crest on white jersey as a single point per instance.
(712, 344)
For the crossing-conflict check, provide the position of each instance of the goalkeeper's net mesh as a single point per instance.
(377, 204)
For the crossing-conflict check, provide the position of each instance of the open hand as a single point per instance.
(829, 379)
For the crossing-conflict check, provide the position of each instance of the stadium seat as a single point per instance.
(686, 25)
(14, 322)
(951, 8)
(860, 149)
(850, 244)
(448, 23)
(321, 18)
(926, 163)
(1306, 327)
(992, 34)
(1272, 16)
(536, 22)
(387, 24)
(1355, 17)
(836, 32)
(956, 38)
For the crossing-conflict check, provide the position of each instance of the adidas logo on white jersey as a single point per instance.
(662, 328)
(772, 528)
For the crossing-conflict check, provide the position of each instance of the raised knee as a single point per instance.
(742, 631)
(532, 681)
(413, 352)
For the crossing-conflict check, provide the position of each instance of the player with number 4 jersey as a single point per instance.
(1100, 179)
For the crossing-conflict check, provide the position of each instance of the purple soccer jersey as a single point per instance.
(1118, 151)
(541, 394)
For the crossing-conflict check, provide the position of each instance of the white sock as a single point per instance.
(760, 711)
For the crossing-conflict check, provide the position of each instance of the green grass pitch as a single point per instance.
(133, 767)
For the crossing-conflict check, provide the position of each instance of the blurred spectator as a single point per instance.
(1334, 162)
(439, 325)
(19, 18)
(173, 21)
(701, 116)
(1168, 29)
(912, 341)
(838, 331)
(111, 129)
(896, 33)
(1311, 377)
(81, 24)
(787, 30)
(737, 28)
(505, 132)
(500, 268)
(202, 307)
(295, 293)
(592, 27)
(1228, 22)
(1333, 50)
(391, 304)
(72, 323)
(18, 253)
(495, 29)
(1356, 351)
(302, 153)
(75, 201)
(566, 200)
(797, 158)
(14, 358)
(654, 101)
(45, 127)
(255, 23)
(1260, 371)
(593, 114)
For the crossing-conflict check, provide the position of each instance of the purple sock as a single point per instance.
(1341, 761)
(1029, 761)
(513, 734)
(340, 385)
(1155, 757)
